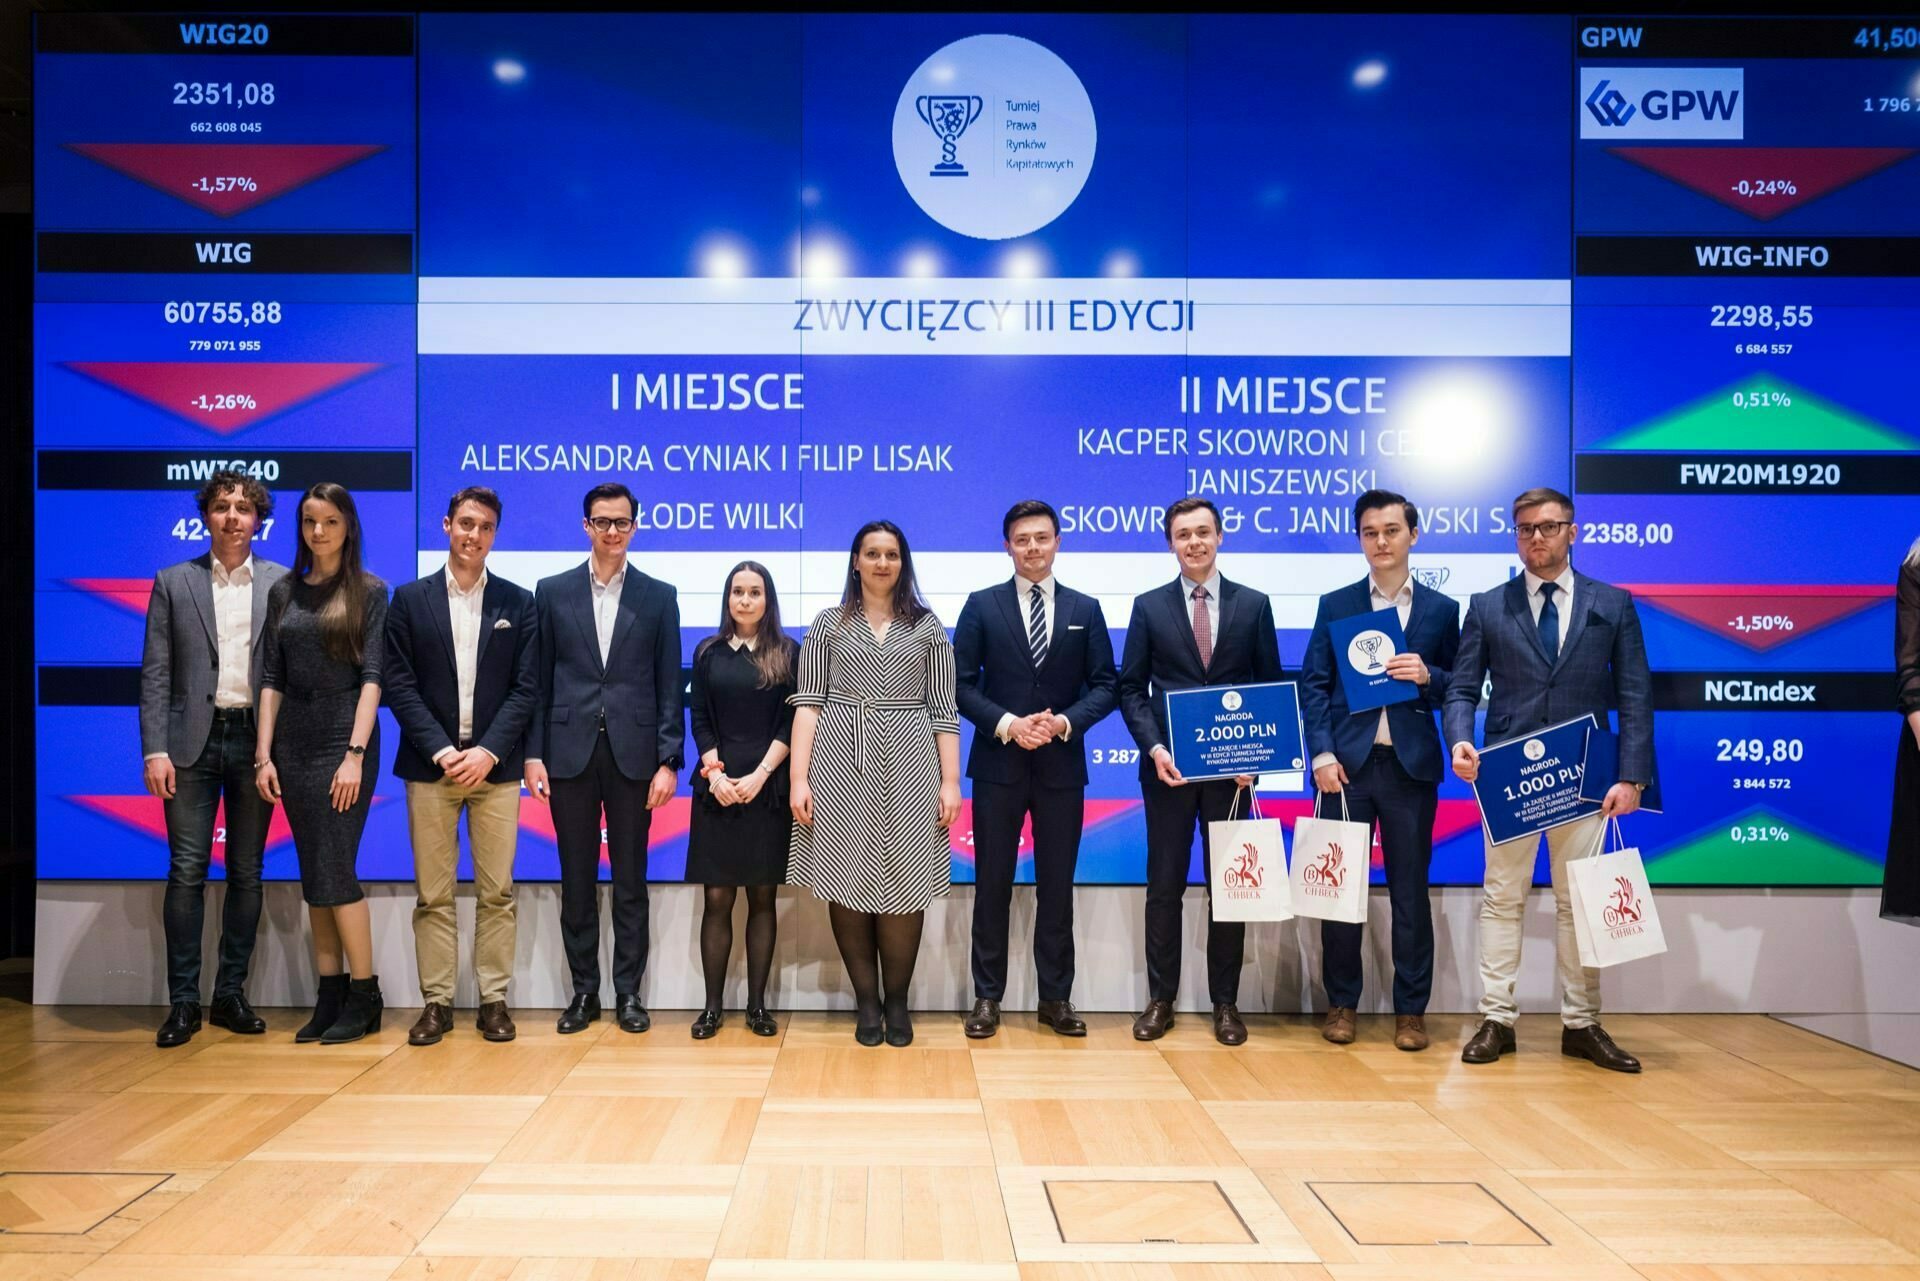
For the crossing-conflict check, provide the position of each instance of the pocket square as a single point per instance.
(1076, 627)
(498, 623)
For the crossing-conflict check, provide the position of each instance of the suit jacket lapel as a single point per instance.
(200, 587)
(1416, 613)
(440, 610)
(1522, 611)
(1013, 610)
(489, 615)
(1063, 614)
(261, 589)
(583, 615)
(1574, 621)
(626, 611)
(1183, 623)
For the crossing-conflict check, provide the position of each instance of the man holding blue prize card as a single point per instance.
(1376, 669)
(1561, 649)
(1197, 631)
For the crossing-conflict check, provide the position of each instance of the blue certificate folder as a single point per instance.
(1218, 731)
(1531, 783)
(1361, 647)
(1603, 771)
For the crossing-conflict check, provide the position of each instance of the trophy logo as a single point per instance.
(1231, 700)
(1434, 578)
(948, 115)
(1534, 749)
(1369, 652)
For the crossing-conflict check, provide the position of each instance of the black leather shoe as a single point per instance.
(1059, 1016)
(1488, 1044)
(706, 1023)
(1594, 1045)
(183, 1020)
(984, 1021)
(584, 1009)
(899, 1026)
(760, 1022)
(234, 1014)
(1154, 1021)
(1227, 1027)
(630, 1014)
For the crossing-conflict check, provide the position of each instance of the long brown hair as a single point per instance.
(772, 652)
(907, 605)
(340, 602)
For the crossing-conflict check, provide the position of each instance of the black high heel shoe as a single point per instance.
(899, 1027)
(868, 1033)
(706, 1023)
(760, 1022)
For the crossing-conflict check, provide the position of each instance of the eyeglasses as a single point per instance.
(611, 524)
(1545, 528)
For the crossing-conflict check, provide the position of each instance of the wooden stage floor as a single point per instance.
(1748, 1150)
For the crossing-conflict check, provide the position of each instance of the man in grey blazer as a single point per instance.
(199, 675)
(1557, 645)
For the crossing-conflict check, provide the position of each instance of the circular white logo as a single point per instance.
(994, 136)
(1231, 700)
(1369, 652)
(1534, 749)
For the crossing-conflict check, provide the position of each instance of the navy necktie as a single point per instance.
(1549, 622)
(1036, 626)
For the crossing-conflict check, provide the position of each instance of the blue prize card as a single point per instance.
(1362, 645)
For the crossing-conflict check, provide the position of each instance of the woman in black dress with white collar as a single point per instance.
(742, 677)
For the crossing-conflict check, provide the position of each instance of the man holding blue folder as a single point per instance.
(1558, 646)
(1388, 762)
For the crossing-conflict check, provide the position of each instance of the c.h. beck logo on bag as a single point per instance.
(1622, 912)
(1330, 871)
(1245, 872)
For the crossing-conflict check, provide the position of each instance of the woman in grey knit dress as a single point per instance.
(319, 746)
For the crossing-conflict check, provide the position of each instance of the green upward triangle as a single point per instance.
(1808, 424)
(1803, 859)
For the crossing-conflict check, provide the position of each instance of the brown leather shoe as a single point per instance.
(435, 1021)
(1227, 1027)
(1410, 1032)
(1593, 1044)
(1488, 1044)
(1059, 1016)
(494, 1022)
(984, 1021)
(1154, 1022)
(1339, 1026)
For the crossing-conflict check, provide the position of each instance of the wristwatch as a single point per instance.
(354, 749)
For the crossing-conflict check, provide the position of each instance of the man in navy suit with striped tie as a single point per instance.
(1197, 630)
(1386, 765)
(1036, 673)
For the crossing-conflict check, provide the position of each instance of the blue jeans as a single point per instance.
(225, 766)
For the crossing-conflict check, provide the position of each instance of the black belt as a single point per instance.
(233, 715)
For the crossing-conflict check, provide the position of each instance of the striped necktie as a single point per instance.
(1036, 625)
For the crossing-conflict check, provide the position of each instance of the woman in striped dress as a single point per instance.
(876, 774)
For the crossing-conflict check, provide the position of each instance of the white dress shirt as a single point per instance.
(1023, 592)
(1213, 618)
(606, 605)
(1377, 599)
(233, 632)
(1562, 599)
(463, 612)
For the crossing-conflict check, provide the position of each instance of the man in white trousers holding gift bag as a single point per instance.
(1558, 645)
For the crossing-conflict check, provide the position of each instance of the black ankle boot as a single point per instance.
(361, 1016)
(326, 1008)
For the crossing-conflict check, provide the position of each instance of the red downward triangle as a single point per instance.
(223, 397)
(1761, 617)
(1764, 182)
(225, 178)
(130, 594)
(147, 815)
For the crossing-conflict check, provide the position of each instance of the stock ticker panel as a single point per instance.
(1747, 199)
(234, 217)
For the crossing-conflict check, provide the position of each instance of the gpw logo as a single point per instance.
(1621, 103)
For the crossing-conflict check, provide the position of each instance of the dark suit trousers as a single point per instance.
(1171, 815)
(998, 811)
(1383, 792)
(577, 803)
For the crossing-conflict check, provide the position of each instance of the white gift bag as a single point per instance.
(1332, 863)
(1247, 869)
(1613, 914)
